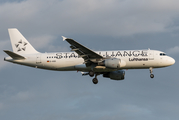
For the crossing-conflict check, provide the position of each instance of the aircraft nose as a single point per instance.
(172, 61)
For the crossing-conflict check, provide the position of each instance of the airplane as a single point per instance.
(111, 64)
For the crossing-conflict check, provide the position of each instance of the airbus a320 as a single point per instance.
(110, 64)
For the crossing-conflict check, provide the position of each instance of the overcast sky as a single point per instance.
(34, 94)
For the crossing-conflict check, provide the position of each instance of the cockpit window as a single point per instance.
(162, 54)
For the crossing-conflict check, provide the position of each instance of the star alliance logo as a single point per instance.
(21, 46)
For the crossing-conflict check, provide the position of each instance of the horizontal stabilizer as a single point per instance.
(14, 55)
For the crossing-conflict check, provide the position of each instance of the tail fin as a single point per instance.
(19, 43)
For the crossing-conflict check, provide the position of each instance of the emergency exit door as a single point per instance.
(38, 59)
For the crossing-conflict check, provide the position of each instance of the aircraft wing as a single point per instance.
(82, 51)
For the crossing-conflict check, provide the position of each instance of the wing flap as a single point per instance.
(14, 55)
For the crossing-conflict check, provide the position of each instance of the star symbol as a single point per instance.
(21, 45)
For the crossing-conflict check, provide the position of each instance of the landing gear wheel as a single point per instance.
(95, 80)
(151, 70)
(91, 73)
(152, 75)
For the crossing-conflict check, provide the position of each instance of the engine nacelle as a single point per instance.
(114, 63)
(115, 75)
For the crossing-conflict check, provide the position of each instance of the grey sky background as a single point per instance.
(35, 94)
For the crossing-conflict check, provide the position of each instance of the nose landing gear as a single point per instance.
(151, 70)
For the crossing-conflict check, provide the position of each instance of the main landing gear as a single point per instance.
(151, 70)
(91, 74)
(95, 80)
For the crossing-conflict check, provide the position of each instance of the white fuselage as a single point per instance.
(93, 63)
(70, 61)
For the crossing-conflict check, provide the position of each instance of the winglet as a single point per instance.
(64, 38)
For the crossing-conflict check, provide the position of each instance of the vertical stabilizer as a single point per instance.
(19, 43)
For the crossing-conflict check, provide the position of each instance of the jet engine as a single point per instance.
(115, 75)
(114, 63)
